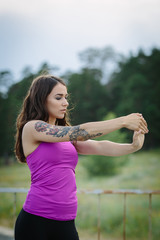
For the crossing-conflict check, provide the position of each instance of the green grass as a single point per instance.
(142, 171)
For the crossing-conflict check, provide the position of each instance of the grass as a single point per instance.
(142, 171)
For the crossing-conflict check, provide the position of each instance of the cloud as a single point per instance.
(55, 31)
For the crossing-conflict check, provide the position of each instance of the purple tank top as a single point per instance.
(53, 185)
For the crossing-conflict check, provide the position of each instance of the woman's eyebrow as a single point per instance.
(60, 94)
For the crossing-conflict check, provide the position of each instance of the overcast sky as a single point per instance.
(34, 31)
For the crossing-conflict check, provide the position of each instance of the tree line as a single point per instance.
(133, 86)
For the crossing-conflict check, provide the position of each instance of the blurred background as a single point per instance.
(108, 53)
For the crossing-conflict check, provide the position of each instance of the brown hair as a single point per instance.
(34, 108)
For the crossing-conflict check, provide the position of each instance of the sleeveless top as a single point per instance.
(53, 185)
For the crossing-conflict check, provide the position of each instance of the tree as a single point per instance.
(135, 88)
(6, 79)
(10, 106)
(104, 59)
(106, 165)
(88, 97)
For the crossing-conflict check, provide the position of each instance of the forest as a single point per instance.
(131, 85)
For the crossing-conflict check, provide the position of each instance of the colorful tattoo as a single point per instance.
(75, 133)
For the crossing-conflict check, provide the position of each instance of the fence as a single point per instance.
(100, 192)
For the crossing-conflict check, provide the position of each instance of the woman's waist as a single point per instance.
(57, 197)
(52, 175)
(51, 190)
(51, 207)
(62, 190)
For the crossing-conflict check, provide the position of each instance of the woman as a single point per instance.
(50, 146)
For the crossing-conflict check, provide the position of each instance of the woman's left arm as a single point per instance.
(108, 148)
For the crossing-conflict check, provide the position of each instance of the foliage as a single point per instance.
(6, 80)
(88, 97)
(135, 87)
(10, 106)
(106, 165)
(100, 58)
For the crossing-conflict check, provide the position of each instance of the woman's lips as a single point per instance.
(63, 110)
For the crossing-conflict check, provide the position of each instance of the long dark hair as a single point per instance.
(34, 108)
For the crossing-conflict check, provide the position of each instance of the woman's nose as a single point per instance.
(65, 102)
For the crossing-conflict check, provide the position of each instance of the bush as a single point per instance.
(106, 165)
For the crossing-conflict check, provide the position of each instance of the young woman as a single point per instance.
(50, 147)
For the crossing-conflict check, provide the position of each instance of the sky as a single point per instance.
(56, 31)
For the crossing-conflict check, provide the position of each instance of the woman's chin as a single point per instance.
(60, 117)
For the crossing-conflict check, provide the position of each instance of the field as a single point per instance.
(141, 171)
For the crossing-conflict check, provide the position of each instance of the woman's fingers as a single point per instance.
(135, 121)
(143, 128)
(143, 120)
(143, 124)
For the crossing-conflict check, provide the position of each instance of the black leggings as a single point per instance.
(32, 227)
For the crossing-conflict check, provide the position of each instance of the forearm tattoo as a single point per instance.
(74, 133)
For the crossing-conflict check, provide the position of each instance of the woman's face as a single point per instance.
(57, 103)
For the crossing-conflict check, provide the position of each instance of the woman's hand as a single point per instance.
(136, 122)
(138, 140)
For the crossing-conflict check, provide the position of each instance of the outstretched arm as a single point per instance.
(108, 148)
(42, 131)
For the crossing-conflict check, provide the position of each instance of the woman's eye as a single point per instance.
(59, 98)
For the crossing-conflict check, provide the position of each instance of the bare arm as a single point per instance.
(108, 148)
(42, 131)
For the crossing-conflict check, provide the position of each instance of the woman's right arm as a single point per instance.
(44, 132)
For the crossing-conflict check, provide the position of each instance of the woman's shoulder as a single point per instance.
(30, 124)
(28, 141)
(29, 127)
